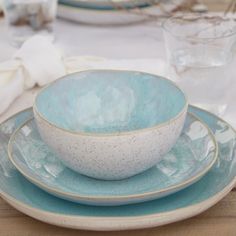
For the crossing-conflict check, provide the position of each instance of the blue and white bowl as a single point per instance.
(110, 124)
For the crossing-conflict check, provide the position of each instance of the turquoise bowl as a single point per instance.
(110, 124)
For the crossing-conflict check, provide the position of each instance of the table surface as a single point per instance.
(137, 41)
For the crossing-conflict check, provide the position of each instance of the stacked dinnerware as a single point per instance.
(99, 139)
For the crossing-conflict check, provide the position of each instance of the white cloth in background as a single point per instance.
(39, 62)
(154, 66)
(36, 62)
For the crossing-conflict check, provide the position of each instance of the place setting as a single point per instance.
(108, 145)
(47, 174)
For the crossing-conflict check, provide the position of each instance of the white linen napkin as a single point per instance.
(36, 62)
(39, 62)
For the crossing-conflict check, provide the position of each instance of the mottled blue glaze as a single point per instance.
(194, 153)
(110, 101)
(13, 185)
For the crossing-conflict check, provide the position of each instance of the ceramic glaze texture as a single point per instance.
(192, 156)
(103, 123)
(109, 101)
(193, 200)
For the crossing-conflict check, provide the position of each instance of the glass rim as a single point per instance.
(198, 16)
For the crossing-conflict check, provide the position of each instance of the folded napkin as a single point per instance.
(36, 62)
(39, 62)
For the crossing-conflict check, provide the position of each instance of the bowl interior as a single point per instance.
(109, 101)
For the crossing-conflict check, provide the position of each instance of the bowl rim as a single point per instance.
(120, 133)
(105, 198)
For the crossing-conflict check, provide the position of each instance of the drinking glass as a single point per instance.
(28, 17)
(200, 54)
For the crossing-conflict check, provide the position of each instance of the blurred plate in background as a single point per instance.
(108, 4)
(121, 12)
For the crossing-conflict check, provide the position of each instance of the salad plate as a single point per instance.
(193, 155)
(31, 200)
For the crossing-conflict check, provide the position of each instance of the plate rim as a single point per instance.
(109, 200)
(101, 223)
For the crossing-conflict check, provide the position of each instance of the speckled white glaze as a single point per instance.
(111, 157)
(115, 155)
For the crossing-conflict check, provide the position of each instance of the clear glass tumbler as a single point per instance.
(26, 18)
(200, 53)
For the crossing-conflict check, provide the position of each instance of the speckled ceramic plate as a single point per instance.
(193, 155)
(31, 200)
